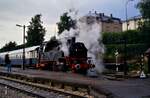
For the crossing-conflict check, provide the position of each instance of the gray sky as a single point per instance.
(14, 12)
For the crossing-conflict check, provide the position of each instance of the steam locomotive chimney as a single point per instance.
(68, 42)
(73, 40)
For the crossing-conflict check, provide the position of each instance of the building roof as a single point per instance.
(134, 18)
(20, 50)
(102, 17)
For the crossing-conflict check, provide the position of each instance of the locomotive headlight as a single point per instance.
(57, 63)
(77, 66)
(61, 63)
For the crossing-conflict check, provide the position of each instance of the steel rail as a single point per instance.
(73, 94)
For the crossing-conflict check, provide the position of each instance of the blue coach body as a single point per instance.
(31, 56)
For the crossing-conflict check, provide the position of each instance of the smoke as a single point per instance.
(90, 35)
(64, 37)
(87, 31)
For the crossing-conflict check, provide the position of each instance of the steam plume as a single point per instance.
(87, 31)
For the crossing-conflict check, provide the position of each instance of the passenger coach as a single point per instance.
(31, 55)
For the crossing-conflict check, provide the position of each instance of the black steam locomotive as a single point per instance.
(76, 61)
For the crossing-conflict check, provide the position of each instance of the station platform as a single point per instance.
(60, 76)
(127, 88)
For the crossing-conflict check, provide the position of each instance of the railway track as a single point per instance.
(8, 92)
(40, 89)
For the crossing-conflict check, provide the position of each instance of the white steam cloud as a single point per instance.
(90, 35)
(88, 31)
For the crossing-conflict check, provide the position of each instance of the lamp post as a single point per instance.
(127, 12)
(23, 55)
(125, 39)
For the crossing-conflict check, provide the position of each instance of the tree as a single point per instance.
(144, 7)
(52, 43)
(66, 23)
(8, 46)
(36, 32)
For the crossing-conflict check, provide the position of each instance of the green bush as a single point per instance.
(132, 37)
(132, 49)
(136, 44)
(134, 67)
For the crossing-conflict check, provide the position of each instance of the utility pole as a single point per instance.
(125, 39)
(23, 53)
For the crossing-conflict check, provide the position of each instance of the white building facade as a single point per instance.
(133, 23)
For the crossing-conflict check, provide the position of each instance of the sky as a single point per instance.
(14, 12)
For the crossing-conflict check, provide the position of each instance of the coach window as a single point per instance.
(28, 54)
(11, 56)
(33, 54)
